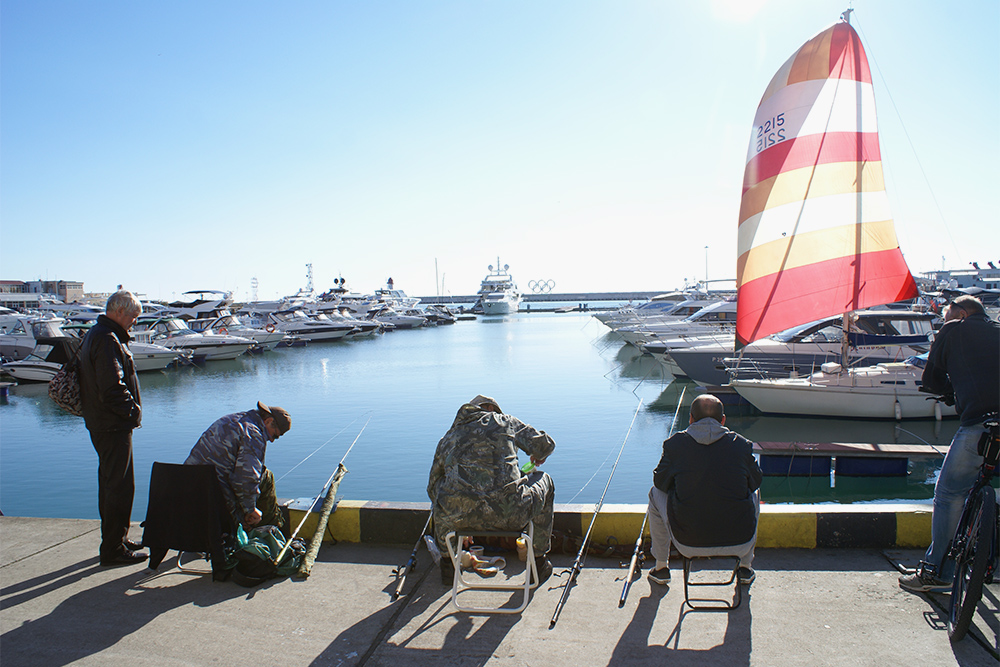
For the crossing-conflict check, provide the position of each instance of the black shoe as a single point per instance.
(131, 545)
(544, 568)
(447, 572)
(661, 576)
(746, 575)
(126, 557)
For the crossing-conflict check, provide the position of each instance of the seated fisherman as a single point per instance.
(475, 481)
(235, 445)
(704, 494)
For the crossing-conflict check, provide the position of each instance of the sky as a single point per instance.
(175, 146)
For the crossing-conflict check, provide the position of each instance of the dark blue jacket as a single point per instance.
(709, 475)
(965, 360)
(109, 388)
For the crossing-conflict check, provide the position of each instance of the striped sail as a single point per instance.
(816, 237)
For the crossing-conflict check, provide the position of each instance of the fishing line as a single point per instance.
(899, 428)
(319, 448)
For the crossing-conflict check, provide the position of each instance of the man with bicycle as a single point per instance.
(964, 367)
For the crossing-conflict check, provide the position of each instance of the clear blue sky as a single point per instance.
(173, 146)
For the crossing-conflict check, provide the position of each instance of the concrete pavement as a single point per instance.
(807, 607)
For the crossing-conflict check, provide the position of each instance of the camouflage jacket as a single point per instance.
(235, 445)
(476, 460)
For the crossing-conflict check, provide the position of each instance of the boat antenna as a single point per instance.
(578, 564)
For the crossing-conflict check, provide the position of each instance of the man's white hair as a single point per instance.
(123, 301)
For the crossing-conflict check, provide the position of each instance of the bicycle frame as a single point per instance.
(977, 529)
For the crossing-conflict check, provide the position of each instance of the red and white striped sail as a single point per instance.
(816, 237)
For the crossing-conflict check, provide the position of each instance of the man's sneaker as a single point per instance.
(923, 583)
(544, 568)
(746, 575)
(660, 576)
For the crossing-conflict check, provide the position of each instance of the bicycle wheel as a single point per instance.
(970, 567)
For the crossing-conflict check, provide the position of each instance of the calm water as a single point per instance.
(564, 373)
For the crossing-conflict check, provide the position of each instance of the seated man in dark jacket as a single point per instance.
(704, 497)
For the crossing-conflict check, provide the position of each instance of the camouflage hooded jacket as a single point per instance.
(476, 461)
(235, 445)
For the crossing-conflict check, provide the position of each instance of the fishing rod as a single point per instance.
(636, 561)
(404, 570)
(578, 564)
(330, 488)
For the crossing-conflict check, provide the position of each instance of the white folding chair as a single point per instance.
(475, 582)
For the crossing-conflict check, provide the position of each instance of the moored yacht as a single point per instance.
(498, 293)
(174, 333)
(20, 333)
(44, 361)
(265, 338)
(297, 323)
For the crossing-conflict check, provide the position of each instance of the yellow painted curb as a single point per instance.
(787, 530)
(913, 529)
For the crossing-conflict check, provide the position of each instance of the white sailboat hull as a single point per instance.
(885, 391)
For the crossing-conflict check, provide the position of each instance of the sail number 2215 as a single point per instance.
(771, 132)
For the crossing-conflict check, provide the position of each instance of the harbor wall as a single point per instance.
(566, 296)
(875, 526)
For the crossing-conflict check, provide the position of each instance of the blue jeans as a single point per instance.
(958, 474)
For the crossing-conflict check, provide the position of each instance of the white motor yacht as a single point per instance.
(265, 338)
(44, 361)
(390, 317)
(719, 317)
(498, 293)
(20, 333)
(174, 333)
(876, 336)
(297, 323)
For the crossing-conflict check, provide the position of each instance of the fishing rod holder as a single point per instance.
(499, 582)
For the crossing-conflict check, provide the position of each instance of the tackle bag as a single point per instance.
(253, 558)
(64, 388)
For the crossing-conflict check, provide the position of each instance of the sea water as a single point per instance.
(564, 373)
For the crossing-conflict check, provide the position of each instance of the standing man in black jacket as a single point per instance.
(109, 390)
(963, 364)
(704, 497)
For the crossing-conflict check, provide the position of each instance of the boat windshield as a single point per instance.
(46, 329)
(39, 353)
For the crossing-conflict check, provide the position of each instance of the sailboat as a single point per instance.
(816, 237)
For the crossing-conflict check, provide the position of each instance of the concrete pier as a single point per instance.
(808, 606)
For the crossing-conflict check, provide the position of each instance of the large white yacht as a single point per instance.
(498, 293)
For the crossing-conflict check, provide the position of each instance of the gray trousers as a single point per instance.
(661, 535)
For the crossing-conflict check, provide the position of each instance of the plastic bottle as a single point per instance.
(528, 467)
(522, 549)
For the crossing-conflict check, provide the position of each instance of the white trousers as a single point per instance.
(662, 537)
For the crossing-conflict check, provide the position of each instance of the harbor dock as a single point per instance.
(808, 606)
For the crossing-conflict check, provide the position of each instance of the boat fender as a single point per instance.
(898, 410)
(937, 410)
(269, 328)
